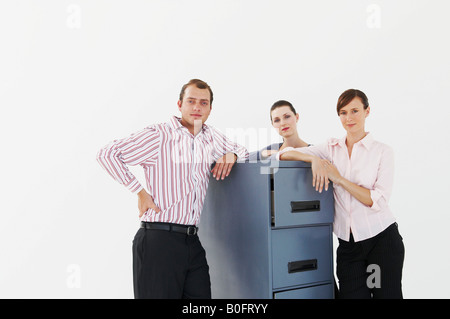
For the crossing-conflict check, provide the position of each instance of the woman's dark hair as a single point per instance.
(348, 96)
(281, 103)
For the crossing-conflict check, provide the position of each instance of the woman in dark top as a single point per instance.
(284, 119)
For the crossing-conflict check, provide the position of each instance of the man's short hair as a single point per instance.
(200, 85)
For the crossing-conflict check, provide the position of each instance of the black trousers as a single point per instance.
(169, 265)
(371, 268)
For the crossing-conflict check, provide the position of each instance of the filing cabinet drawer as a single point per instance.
(296, 202)
(314, 292)
(301, 255)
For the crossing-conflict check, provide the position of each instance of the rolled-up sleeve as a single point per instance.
(320, 150)
(381, 192)
(223, 145)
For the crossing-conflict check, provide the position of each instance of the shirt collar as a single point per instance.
(335, 141)
(175, 124)
(366, 141)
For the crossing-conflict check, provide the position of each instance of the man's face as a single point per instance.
(195, 108)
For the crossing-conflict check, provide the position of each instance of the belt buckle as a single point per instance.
(192, 230)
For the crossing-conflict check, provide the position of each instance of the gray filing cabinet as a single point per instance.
(268, 234)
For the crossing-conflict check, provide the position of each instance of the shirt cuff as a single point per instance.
(375, 196)
(134, 186)
(242, 154)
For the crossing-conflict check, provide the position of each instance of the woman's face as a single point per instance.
(353, 116)
(285, 121)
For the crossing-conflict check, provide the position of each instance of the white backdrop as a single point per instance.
(76, 74)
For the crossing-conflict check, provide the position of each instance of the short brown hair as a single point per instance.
(200, 85)
(348, 96)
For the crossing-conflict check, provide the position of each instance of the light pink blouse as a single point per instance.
(371, 166)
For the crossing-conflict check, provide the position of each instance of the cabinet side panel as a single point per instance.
(235, 230)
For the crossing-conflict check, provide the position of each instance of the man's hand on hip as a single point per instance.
(145, 201)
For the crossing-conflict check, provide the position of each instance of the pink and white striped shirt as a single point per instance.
(177, 166)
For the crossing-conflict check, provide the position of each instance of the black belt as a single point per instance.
(184, 229)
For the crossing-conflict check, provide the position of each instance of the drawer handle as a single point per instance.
(305, 206)
(302, 265)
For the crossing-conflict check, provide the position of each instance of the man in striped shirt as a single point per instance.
(168, 258)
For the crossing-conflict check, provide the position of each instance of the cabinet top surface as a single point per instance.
(275, 164)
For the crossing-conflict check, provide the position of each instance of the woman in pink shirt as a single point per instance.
(371, 251)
